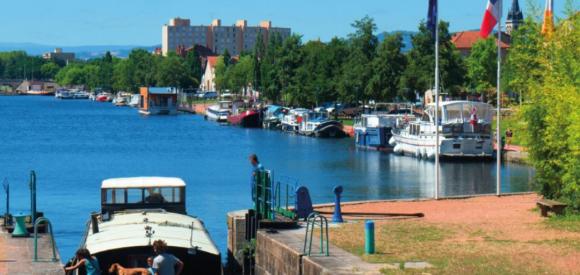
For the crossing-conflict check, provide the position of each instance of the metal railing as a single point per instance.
(310, 227)
(36, 223)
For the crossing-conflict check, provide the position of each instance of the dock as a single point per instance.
(16, 255)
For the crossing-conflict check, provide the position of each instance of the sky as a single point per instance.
(138, 22)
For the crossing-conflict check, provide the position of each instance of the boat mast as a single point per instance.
(437, 101)
(498, 114)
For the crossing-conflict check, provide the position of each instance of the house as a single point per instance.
(158, 101)
(208, 77)
(464, 41)
(36, 87)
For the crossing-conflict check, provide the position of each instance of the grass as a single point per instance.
(514, 122)
(347, 122)
(451, 249)
(569, 222)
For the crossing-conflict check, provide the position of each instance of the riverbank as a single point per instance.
(482, 235)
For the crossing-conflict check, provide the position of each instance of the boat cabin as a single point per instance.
(158, 101)
(458, 117)
(121, 194)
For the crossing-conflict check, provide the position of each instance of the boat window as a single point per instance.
(135, 195)
(118, 196)
(153, 195)
(453, 113)
(177, 194)
(167, 194)
(109, 196)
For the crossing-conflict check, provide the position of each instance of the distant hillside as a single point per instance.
(82, 52)
(406, 38)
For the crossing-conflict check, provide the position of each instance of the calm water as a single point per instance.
(74, 145)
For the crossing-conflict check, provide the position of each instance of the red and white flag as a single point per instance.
(491, 16)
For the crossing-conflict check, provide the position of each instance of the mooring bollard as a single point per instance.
(337, 217)
(369, 237)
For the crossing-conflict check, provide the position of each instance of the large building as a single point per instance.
(59, 55)
(515, 18)
(235, 38)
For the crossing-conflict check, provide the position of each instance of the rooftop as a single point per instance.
(137, 182)
(466, 39)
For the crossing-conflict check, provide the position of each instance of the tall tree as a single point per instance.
(271, 69)
(289, 61)
(258, 57)
(172, 72)
(193, 66)
(482, 65)
(388, 66)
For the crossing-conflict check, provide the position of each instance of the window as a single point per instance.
(135, 195)
(118, 196)
(109, 196)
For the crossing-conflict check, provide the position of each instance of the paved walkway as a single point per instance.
(16, 256)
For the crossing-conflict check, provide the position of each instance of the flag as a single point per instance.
(432, 17)
(548, 25)
(491, 16)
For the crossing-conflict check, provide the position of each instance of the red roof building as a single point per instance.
(464, 41)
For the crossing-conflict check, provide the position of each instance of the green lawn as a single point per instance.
(569, 222)
(514, 122)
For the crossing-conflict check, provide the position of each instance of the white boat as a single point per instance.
(219, 112)
(135, 100)
(137, 211)
(464, 131)
(318, 124)
(64, 94)
(291, 121)
(81, 95)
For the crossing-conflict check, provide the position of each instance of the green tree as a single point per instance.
(420, 71)
(258, 57)
(220, 74)
(49, 70)
(270, 69)
(123, 76)
(290, 60)
(143, 68)
(482, 65)
(240, 74)
(172, 72)
(388, 66)
(193, 65)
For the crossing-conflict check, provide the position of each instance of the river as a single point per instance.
(74, 144)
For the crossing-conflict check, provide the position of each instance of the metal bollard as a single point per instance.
(337, 216)
(369, 237)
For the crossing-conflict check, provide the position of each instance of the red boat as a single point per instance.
(246, 119)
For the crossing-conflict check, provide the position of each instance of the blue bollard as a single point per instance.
(337, 216)
(369, 237)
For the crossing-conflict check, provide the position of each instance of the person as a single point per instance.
(257, 166)
(150, 266)
(85, 259)
(165, 263)
(508, 136)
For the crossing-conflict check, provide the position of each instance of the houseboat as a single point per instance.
(135, 212)
(273, 116)
(158, 101)
(373, 130)
(318, 124)
(244, 115)
(291, 121)
(219, 112)
(464, 131)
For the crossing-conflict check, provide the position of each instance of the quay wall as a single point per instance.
(236, 241)
(196, 108)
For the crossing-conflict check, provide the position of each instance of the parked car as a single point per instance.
(207, 95)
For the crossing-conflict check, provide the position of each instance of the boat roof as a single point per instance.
(455, 102)
(128, 229)
(136, 182)
(161, 90)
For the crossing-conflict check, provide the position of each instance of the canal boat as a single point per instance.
(318, 124)
(273, 116)
(291, 120)
(249, 118)
(137, 211)
(158, 101)
(104, 97)
(219, 112)
(81, 94)
(464, 127)
(135, 99)
(64, 94)
(373, 131)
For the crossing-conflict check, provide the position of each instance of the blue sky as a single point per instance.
(138, 22)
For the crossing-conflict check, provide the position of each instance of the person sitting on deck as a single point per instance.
(85, 259)
(154, 197)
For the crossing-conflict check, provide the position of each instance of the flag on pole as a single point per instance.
(432, 17)
(548, 25)
(490, 18)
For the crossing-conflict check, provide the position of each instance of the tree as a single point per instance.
(193, 66)
(49, 70)
(270, 69)
(123, 76)
(387, 67)
(355, 75)
(258, 57)
(290, 60)
(482, 65)
(172, 72)
(220, 74)
(143, 68)
(227, 57)
(240, 74)
(420, 71)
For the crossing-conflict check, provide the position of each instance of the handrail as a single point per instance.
(323, 226)
(36, 223)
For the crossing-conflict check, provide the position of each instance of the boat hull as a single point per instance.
(329, 129)
(247, 119)
(448, 148)
(375, 138)
(198, 263)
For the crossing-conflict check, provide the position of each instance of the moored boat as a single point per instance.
(373, 131)
(137, 211)
(273, 116)
(219, 112)
(248, 119)
(464, 127)
(291, 121)
(319, 125)
(104, 97)
(135, 99)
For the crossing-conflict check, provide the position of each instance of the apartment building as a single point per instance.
(217, 37)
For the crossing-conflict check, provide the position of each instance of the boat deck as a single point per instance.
(16, 255)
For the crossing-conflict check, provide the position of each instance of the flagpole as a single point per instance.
(437, 101)
(498, 135)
